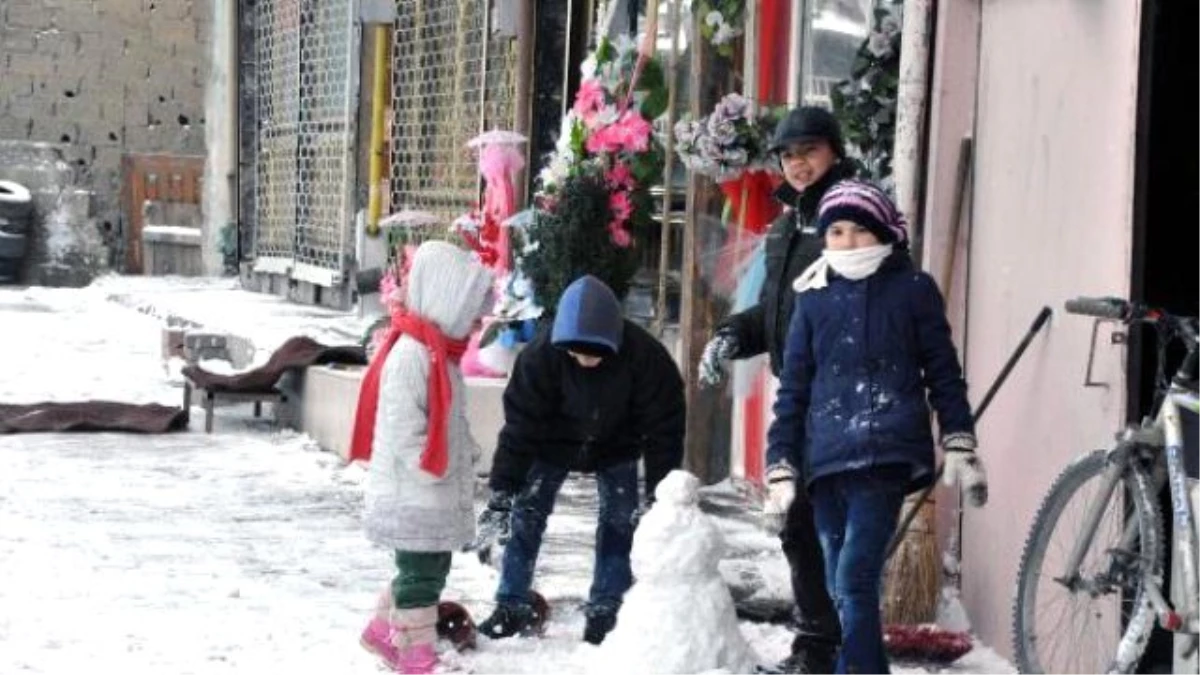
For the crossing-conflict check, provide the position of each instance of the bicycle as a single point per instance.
(1097, 579)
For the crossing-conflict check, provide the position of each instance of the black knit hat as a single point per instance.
(808, 123)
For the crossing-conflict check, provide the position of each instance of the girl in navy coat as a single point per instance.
(868, 353)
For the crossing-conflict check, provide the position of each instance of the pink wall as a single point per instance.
(951, 117)
(1050, 219)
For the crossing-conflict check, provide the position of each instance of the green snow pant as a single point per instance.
(420, 578)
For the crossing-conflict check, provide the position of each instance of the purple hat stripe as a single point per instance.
(874, 206)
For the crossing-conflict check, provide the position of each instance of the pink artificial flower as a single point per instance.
(630, 133)
(634, 131)
(620, 236)
(621, 208)
(589, 99)
(619, 176)
(606, 139)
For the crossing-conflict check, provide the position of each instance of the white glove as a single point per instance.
(964, 468)
(716, 353)
(781, 491)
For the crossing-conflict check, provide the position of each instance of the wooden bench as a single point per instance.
(208, 399)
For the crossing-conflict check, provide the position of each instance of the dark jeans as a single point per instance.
(856, 514)
(420, 578)
(611, 577)
(817, 623)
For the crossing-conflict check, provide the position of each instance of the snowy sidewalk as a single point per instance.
(239, 551)
(221, 305)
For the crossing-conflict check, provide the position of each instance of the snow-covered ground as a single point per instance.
(239, 551)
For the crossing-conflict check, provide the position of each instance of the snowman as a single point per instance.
(678, 617)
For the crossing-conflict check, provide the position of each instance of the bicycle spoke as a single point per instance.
(1075, 630)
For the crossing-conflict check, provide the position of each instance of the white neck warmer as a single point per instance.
(854, 264)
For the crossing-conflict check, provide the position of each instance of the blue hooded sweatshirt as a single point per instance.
(589, 318)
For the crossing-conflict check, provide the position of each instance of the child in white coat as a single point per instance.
(411, 423)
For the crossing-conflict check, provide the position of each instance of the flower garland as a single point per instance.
(722, 21)
(727, 142)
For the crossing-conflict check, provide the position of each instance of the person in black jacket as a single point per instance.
(809, 144)
(596, 393)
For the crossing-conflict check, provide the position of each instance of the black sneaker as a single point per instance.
(599, 624)
(510, 620)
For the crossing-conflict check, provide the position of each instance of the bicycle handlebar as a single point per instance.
(1170, 327)
(1102, 308)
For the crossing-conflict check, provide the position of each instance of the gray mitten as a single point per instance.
(964, 468)
(716, 355)
(492, 528)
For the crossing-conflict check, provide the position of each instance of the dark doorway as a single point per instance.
(1167, 220)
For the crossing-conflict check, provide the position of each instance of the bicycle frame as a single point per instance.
(1181, 507)
(1165, 436)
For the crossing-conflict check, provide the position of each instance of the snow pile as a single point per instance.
(679, 616)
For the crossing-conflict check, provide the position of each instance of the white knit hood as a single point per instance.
(447, 287)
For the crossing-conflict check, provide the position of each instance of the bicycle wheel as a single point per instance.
(1074, 625)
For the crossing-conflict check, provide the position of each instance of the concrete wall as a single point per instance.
(328, 399)
(102, 78)
(1052, 219)
(64, 246)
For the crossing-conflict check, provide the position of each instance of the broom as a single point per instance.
(912, 583)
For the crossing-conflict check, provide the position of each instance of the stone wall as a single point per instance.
(100, 78)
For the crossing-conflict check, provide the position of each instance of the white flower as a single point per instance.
(724, 34)
(588, 68)
(879, 45)
(685, 131)
(723, 132)
(608, 115)
(610, 75)
(563, 144)
(733, 106)
(738, 157)
(714, 18)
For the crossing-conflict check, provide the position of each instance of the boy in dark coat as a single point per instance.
(593, 394)
(812, 157)
(868, 352)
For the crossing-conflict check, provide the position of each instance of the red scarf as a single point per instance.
(435, 457)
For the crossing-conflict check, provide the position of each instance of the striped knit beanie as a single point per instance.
(866, 205)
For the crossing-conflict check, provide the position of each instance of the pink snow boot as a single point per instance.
(377, 636)
(414, 634)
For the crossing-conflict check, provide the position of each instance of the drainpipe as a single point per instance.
(233, 138)
(797, 41)
(912, 94)
(379, 101)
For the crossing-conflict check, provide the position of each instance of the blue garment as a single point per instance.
(612, 575)
(856, 514)
(588, 313)
(861, 357)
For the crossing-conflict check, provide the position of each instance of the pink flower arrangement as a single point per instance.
(630, 133)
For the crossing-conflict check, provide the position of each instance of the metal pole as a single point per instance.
(795, 91)
(664, 253)
(379, 91)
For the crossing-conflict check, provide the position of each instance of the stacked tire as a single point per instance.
(16, 220)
